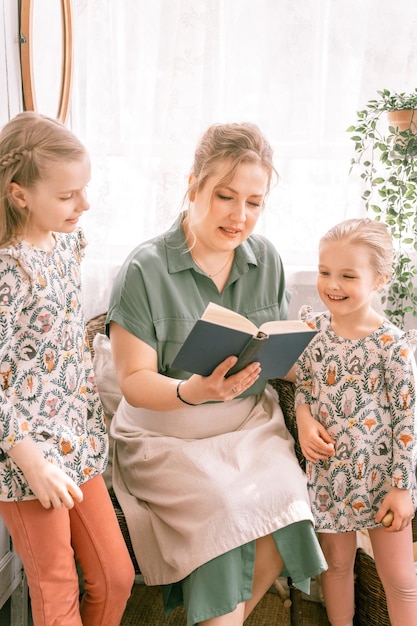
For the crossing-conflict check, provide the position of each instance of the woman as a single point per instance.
(204, 467)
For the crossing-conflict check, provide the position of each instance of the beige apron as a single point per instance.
(196, 482)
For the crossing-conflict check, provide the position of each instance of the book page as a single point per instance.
(222, 316)
(285, 326)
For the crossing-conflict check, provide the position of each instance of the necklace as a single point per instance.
(215, 273)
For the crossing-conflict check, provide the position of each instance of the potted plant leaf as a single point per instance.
(386, 157)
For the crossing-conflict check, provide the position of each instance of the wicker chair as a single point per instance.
(94, 326)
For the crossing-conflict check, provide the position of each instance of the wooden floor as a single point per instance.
(145, 608)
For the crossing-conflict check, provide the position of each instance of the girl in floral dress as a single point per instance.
(356, 416)
(53, 440)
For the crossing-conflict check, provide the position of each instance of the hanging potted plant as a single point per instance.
(386, 157)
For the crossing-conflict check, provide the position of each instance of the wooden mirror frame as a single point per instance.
(26, 58)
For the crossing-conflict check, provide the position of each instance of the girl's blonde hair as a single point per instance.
(29, 144)
(371, 235)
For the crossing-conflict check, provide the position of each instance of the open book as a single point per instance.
(220, 333)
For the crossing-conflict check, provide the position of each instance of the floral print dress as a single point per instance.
(364, 393)
(47, 386)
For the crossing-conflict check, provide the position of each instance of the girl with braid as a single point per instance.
(53, 440)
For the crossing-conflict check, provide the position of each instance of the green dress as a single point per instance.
(198, 485)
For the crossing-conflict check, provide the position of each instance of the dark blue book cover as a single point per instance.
(209, 343)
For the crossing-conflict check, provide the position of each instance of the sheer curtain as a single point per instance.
(151, 76)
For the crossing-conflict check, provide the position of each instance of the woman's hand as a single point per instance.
(136, 365)
(316, 443)
(217, 387)
(399, 503)
(49, 483)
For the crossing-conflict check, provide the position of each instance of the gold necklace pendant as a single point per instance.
(216, 273)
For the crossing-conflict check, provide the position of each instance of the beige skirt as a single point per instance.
(197, 482)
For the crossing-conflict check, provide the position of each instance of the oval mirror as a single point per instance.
(46, 56)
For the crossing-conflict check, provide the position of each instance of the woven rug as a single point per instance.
(145, 608)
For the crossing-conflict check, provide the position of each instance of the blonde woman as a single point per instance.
(204, 467)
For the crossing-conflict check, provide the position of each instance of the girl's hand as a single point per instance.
(316, 443)
(48, 482)
(53, 487)
(399, 503)
(198, 389)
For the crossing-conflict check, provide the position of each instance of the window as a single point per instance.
(151, 76)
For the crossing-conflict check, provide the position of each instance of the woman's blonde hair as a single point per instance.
(371, 235)
(29, 144)
(234, 142)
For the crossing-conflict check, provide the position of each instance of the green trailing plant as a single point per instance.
(386, 157)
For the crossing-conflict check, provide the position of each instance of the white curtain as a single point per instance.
(151, 75)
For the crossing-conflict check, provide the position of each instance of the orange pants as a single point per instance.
(47, 540)
(394, 562)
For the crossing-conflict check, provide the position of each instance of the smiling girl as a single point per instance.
(356, 416)
(53, 441)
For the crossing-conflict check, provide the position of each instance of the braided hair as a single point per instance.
(29, 144)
